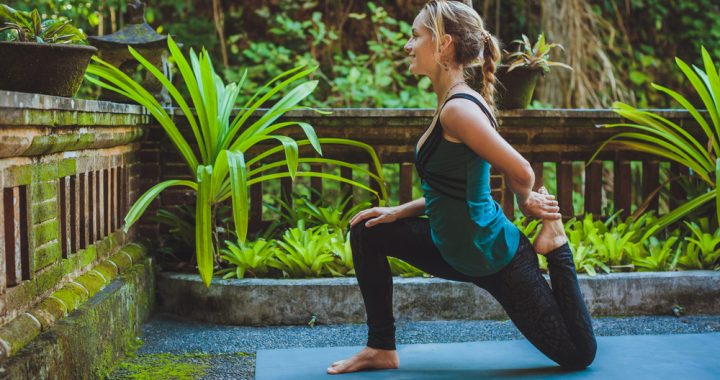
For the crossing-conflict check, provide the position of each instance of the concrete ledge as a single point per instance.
(338, 300)
(87, 343)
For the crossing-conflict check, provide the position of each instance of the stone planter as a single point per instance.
(338, 300)
(516, 88)
(51, 69)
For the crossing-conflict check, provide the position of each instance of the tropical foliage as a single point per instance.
(598, 247)
(652, 133)
(219, 166)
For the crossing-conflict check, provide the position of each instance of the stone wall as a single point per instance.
(69, 171)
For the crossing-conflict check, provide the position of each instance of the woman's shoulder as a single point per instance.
(461, 111)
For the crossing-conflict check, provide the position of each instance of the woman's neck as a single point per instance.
(444, 80)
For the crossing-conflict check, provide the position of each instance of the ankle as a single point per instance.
(560, 251)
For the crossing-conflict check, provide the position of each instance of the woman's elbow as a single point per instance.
(525, 175)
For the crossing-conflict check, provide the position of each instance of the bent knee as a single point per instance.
(358, 231)
(361, 231)
(579, 360)
(360, 235)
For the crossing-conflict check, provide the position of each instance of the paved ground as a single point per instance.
(177, 349)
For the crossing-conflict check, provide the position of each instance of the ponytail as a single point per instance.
(490, 55)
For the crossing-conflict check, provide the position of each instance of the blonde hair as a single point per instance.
(475, 48)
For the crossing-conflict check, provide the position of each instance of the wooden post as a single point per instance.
(537, 168)
(406, 182)
(373, 183)
(316, 183)
(564, 188)
(622, 185)
(593, 188)
(345, 188)
(651, 181)
(255, 206)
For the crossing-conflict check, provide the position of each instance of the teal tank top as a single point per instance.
(467, 225)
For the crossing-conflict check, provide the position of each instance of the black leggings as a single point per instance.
(556, 320)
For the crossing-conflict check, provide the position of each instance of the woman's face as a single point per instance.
(421, 48)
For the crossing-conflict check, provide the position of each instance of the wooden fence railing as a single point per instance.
(558, 137)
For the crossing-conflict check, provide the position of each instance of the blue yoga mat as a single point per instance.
(680, 356)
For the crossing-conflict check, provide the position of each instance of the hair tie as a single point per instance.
(486, 36)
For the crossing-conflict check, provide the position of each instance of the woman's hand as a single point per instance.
(540, 206)
(379, 215)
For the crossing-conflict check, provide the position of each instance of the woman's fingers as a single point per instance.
(551, 208)
(551, 216)
(359, 216)
(362, 215)
(374, 221)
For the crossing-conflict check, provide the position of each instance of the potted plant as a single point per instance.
(520, 70)
(41, 56)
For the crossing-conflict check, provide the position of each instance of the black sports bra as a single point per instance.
(452, 187)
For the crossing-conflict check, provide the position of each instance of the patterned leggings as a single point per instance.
(556, 321)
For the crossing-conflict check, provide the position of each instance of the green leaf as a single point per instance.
(243, 116)
(36, 22)
(310, 174)
(239, 187)
(369, 149)
(144, 201)
(22, 19)
(285, 104)
(307, 128)
(679, 212)
(193, 88)
(179, 99)
(312, 160)
(702, 91)
(207, 85)
(204, 224)
(717, 186)
(136, 92)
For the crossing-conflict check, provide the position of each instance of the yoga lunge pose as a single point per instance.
(466, 237)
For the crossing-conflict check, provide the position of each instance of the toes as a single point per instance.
(340, 366)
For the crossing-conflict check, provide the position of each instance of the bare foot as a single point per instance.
(368, 358)
(552, 233)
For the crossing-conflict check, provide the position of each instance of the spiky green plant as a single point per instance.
(249, 257)
(652, 133)
(703, 251)
(660, 256)
(532, 56)
(340, 247)
(222, 171)
(305, 252)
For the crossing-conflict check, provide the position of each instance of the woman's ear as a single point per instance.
(445, 43)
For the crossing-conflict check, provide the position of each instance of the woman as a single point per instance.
(466, 236)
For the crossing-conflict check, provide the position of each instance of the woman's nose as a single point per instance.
(407, 48)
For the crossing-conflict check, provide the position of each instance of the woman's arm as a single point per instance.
(389, 214)
(460, 119)
(412, 208)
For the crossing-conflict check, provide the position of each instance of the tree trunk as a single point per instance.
(219, 19)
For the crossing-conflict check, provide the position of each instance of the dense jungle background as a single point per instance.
(617, 47)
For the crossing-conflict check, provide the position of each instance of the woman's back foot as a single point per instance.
(368, 358)
(552, 234)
